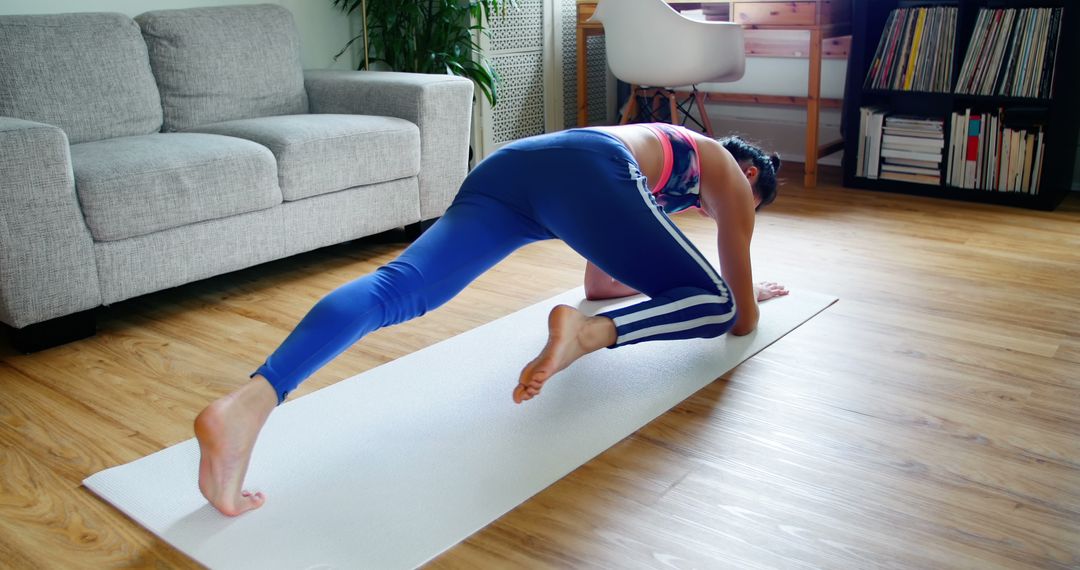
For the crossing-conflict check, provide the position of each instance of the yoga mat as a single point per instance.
(389, 468)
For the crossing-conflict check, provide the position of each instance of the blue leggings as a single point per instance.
(580, 186)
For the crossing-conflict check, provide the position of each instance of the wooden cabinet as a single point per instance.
(774, 13)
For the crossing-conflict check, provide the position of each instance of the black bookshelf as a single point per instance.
(1062, 109)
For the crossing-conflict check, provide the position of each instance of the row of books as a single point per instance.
(1012, 53)
(896, 147)
(915, 51)
(985, 154)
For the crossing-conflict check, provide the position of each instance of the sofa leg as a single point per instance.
(413, 231)
(424, 225)
(55, 332)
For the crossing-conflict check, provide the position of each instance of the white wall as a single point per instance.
(780, 128)
(323, 28)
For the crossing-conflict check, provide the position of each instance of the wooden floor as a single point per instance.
(930, 419)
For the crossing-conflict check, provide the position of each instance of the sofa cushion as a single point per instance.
(132, 186)
(224, 63)
(318, 154)
(87, 74)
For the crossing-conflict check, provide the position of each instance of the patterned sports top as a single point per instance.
(679, 186)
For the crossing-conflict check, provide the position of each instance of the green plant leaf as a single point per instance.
(430, 36)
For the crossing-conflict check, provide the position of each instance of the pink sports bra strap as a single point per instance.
(665, 142)
(686, 134)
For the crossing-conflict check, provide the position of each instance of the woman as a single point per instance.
(588, 187)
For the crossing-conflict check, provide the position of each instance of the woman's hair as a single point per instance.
(767, 165)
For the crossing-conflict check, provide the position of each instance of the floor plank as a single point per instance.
(927, 420)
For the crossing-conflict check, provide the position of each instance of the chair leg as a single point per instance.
(654, 96)
(700, 99)
(673, 105)
(631, 106)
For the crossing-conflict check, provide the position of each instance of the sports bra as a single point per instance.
(679, 186)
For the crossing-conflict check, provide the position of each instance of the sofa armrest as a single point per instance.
(441, 105)
(47, 266)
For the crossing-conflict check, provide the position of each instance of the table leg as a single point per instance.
(813, 97)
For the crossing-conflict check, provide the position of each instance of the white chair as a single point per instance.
(658, 51)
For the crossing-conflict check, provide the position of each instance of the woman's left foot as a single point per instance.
(571, 335)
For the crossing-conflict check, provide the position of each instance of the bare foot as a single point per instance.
(227, 430)
(571, 335)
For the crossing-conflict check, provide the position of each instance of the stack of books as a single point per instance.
(896, 147)
(989, 151)
(871, 121)
(911, 149)
(915, 51)
(1012, 53)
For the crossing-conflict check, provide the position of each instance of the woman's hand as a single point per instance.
(766, 290)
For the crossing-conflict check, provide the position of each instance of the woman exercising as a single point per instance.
(606, 192)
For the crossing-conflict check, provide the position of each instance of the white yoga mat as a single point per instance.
(394, 466)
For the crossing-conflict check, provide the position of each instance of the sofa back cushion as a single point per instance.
(224, 63)
(87, 74)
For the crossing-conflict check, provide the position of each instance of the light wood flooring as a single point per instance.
(929, 419)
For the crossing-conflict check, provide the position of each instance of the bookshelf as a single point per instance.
(1057, 116)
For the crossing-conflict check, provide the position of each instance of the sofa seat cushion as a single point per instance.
(133, 186)
(319, 154)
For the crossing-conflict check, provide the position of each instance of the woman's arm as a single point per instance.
(728, 199)
(600, 285)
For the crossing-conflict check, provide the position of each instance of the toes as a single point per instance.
(525, 392)
(253, 501)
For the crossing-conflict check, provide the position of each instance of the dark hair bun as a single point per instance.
(745, 154)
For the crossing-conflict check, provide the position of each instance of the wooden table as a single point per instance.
(823, 19)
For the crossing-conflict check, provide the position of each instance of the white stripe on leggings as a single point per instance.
(675, 327)
(643, 191)
(671, 307)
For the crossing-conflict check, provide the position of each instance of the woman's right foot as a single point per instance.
(571, 335)
(226, 431)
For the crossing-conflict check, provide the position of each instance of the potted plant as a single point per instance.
(427, 36)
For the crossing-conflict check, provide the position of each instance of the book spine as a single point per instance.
(1006, 155)
(1029, 155)
(974, 48)
(1055, 31)
(916, 43)
(985, 70)
(890, 49)
(905, 49)
(1037, 177)
(972, 156)
(1040, 52)
(949, 169)
(877, 62)
(1005, 77)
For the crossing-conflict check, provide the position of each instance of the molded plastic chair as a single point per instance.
(653, 47)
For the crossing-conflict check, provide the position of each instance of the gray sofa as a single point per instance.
(138, 155)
